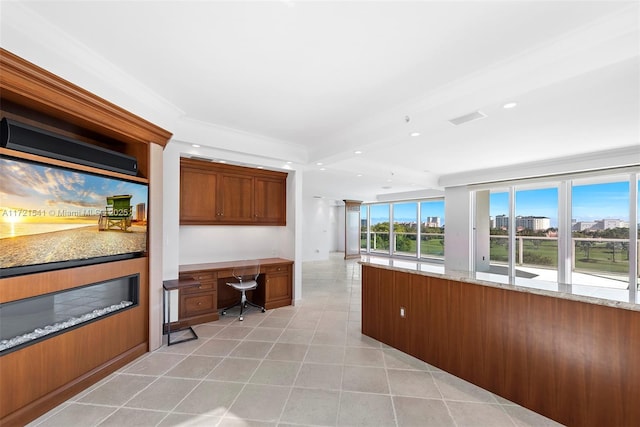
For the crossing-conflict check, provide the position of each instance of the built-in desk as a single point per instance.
(200, 304)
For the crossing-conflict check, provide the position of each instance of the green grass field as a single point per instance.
(600, 258)
(544, 253)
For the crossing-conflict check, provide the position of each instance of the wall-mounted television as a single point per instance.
(53, 217)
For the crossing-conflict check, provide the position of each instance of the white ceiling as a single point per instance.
(329, 78)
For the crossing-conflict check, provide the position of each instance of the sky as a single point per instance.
(406, 212)
(589, 203)
(40, 193)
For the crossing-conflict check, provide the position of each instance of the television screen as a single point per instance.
(52, 217)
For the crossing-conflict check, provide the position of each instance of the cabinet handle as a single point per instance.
(199, 286)
(200, 303)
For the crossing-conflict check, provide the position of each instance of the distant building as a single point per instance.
(583, 225)
(602, 224)
(432, 222)
(535, 223)
(502, 221)
(141, 212)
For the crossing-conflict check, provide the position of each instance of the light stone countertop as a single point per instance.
(611, 297)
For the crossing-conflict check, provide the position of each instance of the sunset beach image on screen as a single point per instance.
(52, 217)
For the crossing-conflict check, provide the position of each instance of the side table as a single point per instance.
(175, 285)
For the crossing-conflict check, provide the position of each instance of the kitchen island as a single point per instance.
(573, 358)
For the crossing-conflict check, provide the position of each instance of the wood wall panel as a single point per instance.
(419, 297)
(370, 307)
(387, 311)
(400, 326)
(575, 362)
(44, 368)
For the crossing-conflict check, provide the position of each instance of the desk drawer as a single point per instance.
(283, 268)
(207, 281)
(194, 304)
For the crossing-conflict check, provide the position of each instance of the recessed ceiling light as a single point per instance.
(359, 175)
(509, 105)
(289, 163)
(357, 152)
(323, 169)
(195, 145)
(415, 133)
(223, 161)
(319, 164)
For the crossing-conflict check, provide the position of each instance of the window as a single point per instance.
(577, 230)
(499, 231)
(432, 229)
(379, 228)
(600, 232)
(405, 229)
(395, 229)
(536, 242)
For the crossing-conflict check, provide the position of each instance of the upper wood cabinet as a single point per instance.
(218, 194)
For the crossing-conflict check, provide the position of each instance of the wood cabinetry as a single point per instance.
(198, 304)
(278, 285)
(572, 361)
(218, 194)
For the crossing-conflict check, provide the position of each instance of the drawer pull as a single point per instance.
(199, 302)
(199, 286)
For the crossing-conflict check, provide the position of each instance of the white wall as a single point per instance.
(215, 243)
(156, 221)
(458, 237)
(319, 228)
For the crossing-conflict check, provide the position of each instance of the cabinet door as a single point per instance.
(278, 287)
(235, 201)
(195, 304)
(198, 195)
(270, 201)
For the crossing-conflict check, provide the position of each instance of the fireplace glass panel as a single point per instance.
(30, 320)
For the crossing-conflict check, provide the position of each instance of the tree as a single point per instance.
(586, 247)
(613, 246)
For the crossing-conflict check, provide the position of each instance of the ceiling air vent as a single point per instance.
(204, 159)
(467, 118)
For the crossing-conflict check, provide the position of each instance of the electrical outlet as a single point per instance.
(402, 312)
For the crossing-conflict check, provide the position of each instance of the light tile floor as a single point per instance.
(307, 365)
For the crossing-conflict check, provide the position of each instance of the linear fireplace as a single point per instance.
(30, 320)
